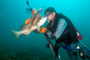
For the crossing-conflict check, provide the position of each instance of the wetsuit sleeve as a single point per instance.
(60, 28)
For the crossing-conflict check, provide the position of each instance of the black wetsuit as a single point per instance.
(69, 35)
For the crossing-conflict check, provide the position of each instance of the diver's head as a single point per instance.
(50, 13)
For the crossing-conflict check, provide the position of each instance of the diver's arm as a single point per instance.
(60, 28)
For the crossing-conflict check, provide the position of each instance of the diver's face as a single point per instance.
(50, 16)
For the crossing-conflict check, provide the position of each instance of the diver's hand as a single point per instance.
(36, 19)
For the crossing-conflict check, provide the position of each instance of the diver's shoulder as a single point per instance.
(60, 15)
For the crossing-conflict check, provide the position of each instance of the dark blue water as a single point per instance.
(13, 14)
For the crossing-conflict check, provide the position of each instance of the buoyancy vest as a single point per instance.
(69, 35)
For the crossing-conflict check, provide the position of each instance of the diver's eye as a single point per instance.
(47, 15)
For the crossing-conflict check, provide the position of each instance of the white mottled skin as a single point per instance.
(32, 28)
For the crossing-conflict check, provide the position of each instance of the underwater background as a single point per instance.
(13, 15)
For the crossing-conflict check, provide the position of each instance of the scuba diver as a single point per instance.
(61, 29)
